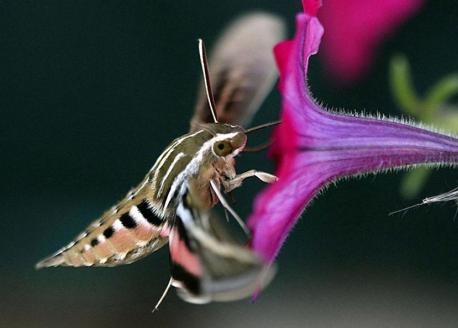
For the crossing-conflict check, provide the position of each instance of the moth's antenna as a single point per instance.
(208, 88)
(156, 307)
(261, 126)
(258, 148)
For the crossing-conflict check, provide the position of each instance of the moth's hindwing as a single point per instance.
(129, 231)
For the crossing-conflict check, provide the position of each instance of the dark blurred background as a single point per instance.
(90, 94)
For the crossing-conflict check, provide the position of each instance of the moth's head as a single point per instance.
(227, 140)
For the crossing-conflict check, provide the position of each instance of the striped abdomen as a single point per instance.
(122, 235)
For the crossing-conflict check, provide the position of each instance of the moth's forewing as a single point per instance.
(242, 69)
(209, 266)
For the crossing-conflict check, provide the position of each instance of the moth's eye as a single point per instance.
(222, 148)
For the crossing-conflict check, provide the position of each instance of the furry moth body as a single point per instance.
(173, 202)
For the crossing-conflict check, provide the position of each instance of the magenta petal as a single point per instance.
(355, 28)
(311, 6)
(314, 147)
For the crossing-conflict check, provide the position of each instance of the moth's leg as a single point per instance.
(236, 182)
(156, 307)
(226, 214)
(226, 205)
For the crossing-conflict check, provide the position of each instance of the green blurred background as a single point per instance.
(92, 91)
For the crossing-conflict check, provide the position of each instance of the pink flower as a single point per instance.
(355, 28)
(313, 147)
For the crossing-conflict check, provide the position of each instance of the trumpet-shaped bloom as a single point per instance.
(354, 30)
(313, 147)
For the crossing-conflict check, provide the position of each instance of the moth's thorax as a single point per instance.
(194, 159)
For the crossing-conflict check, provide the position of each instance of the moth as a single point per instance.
(173, 204)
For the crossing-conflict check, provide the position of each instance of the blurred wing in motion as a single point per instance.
(207, 265)
(242, 69)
